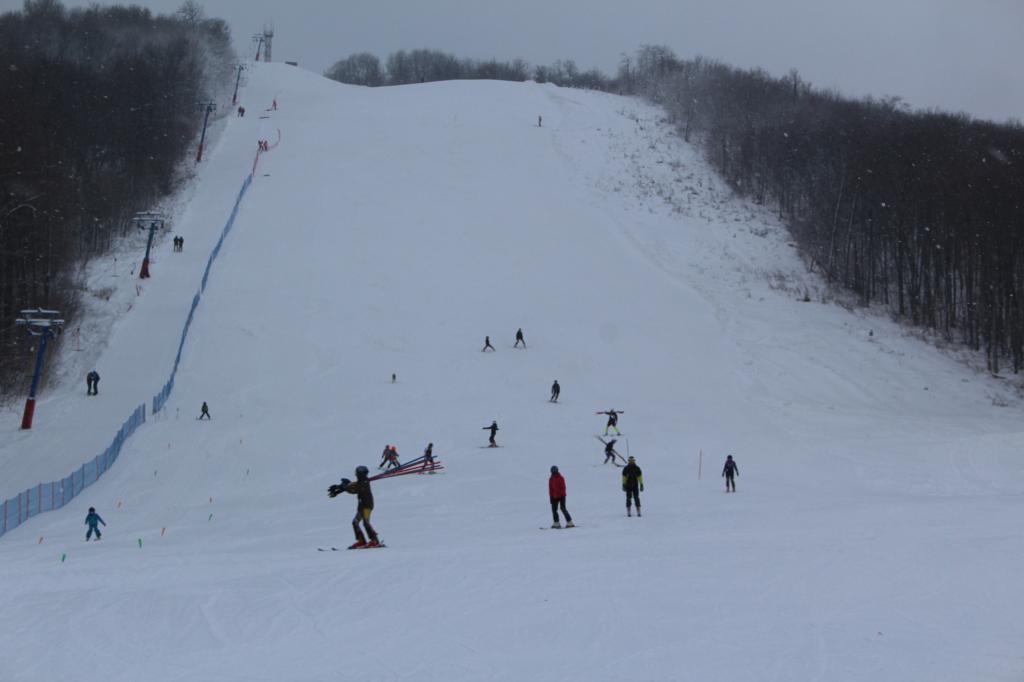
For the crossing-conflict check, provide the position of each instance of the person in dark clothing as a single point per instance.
(555, 391)
(730, 472)
(609, 452)
(519, 338)
(613, 421)
(93, 520)
(181, 243)
(556, 492)
(493, 428)
(385, 456)
(632, 485)
(428, 456)
(204, 411)
(241, 111)
(364, 506)
(92, 383)
(487, 344)
(393, 458)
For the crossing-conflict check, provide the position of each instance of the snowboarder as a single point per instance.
(729, 473)
(364, 506)
(204, 411)
(613, 421)
(519, 338)
(609, 452)
(493, 428)
(556, 492)
(555, 391)
(632, 484)
(487, 344)
(93, 520)
(92, 383)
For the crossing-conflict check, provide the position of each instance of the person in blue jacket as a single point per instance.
(93, 520)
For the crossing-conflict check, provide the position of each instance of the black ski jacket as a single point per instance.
(632, 477)
(361, 489)
(730, 468)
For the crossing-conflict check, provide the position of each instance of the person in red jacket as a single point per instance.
(556, 491)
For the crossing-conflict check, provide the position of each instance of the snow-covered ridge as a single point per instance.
(388, 233)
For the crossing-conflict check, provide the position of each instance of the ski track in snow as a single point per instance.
(873, 536)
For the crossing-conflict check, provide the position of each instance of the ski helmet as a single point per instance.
(632, 459)
(362, 472)
(554, 470)
(92, 510)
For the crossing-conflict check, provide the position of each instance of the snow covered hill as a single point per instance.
(874, 535)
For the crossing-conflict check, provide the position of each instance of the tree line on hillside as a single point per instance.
(424, 66)
(918, 211)
(102, 107)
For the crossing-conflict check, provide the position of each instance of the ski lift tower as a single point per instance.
(259, 40)
(268, 40)
(152, 221)
(44, 324)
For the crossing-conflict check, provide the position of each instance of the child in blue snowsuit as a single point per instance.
(93, 520)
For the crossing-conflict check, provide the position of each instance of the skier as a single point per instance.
(364, 507)
(394, 377)
(555, 391)
(556, 492)
(385, 456)
(181, 243)
(609, 452)
(393, 459)
(519, 338)
(729, 473)
(241, 111)
(540, 119)
(92, 383)
(613, 421)
(204, 411)
(493, 428)
(93, 520)
(632, 484)
(428, 457)
(487, 344)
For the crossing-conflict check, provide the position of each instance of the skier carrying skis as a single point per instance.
(613, 421)
(428, 457)
(393, 458)
(364, 506)
(729, 473)
(487, 344)
(556, 492)
(555, 391)
(609, 452)
(204, 411)
(493, 428)
(632, 484)
(519, 338)
(93, 520)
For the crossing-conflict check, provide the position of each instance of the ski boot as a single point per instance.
(638, 514)
(556, 524)
(358, 544)
(629, 511)
(374, 543)
(570, 524)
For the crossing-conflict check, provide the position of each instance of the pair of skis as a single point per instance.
(420, 465)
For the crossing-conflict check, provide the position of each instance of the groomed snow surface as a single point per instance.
(875, 534)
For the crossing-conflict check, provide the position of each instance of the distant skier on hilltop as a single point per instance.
(493, 428)
(730, 472)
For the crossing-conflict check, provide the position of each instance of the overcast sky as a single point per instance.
(959, 55)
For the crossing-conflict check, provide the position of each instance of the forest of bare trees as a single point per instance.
(918, 211)
(425, 66)
(100, 111)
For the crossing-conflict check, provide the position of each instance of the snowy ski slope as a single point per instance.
(875, 534)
